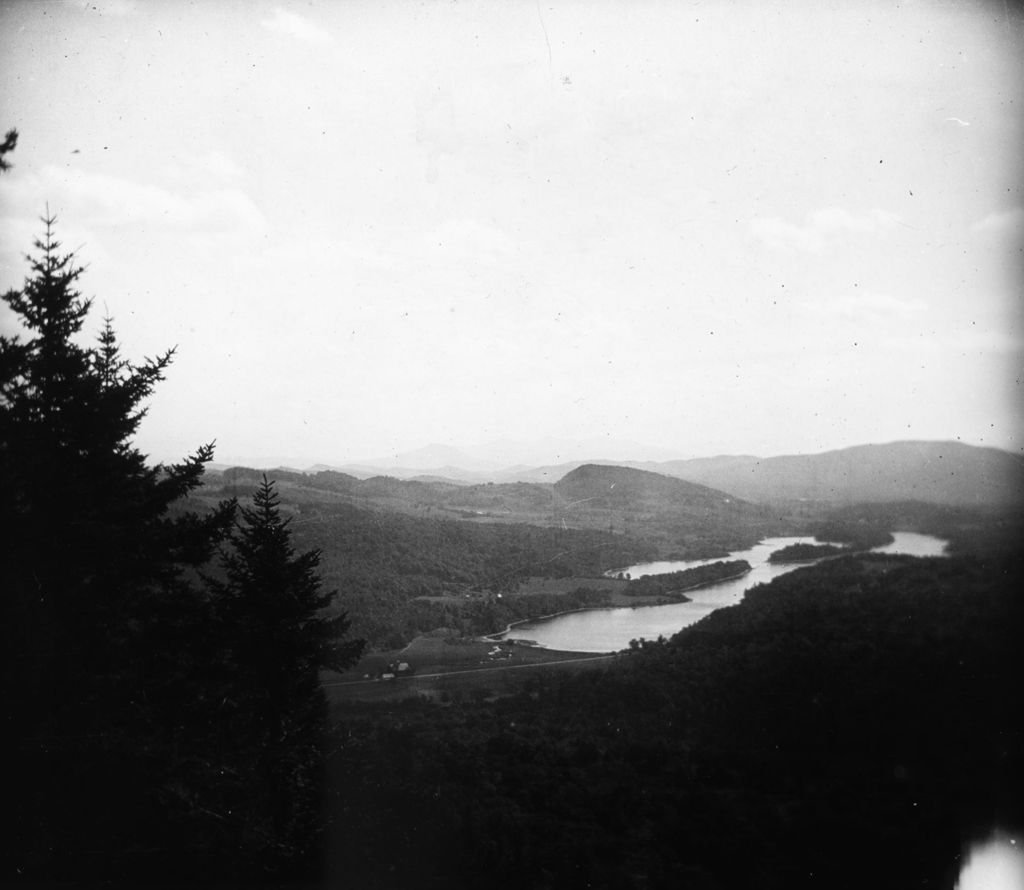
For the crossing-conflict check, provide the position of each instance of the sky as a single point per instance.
(712, 228)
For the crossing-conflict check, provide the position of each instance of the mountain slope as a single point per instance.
(632, 489)
(938, 472)
(693, 518)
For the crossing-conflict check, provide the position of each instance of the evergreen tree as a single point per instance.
(99, 621)
(6, 147)
(272, 606)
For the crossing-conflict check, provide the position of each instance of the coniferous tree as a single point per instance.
(100, 625)
(272, 606)
(6, 147)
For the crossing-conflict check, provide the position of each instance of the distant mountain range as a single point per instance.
(505, 457)
(937, 472)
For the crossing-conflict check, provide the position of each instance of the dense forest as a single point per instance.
(851, 724)
(387, 565)
(804, 552)
(672, 583)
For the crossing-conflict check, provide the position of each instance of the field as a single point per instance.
(444, 668)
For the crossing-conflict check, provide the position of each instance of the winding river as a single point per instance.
(608, 630)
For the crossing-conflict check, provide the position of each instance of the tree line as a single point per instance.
(161, 667)
(848, 725)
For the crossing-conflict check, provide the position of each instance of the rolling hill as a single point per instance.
(944, 473)
(691, 517)
(948, 473)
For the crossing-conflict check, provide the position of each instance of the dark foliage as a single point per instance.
(493, 614)
(686, 579)
(155, 732)
(269, 611)
(989, 532)
(801, 552)
(102, 632)
(6, 147)
(382, 562)
(866, 530)
(849, 725)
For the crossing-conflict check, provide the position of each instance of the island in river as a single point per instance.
(672, 584)
(807, 552)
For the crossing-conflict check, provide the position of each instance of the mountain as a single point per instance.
(503, 460)
(945, 473)
(949, 473)
(431, 457)
(612, 487)
(512, 453)
(680, 514)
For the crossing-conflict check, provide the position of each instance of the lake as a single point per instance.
(608, 630)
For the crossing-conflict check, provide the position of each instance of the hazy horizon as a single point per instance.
(503, 455)
(748, 229)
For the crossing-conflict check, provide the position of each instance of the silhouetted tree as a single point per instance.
(278, 639)
(101, 629)
(6, 147)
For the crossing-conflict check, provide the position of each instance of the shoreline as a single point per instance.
(499, 636)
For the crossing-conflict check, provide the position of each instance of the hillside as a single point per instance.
(625, 488)
(859, 705)
(691, 517)
(678, 515)
(410, 556)
(948, 473)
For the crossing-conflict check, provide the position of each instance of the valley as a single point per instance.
(416, 559)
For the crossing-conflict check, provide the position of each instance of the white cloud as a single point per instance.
(867, 308)
(284, 22)
(317, 255)
(956, 344)
(99, 199)
(1000, 221)
(212, 167)
(781, 235)
(818, 228)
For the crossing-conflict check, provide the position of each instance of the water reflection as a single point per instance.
(608, 630)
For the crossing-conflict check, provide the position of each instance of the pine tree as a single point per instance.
(6, 147)
(279, 638)
(97, 614)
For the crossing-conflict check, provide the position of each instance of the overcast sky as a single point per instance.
(714, 228)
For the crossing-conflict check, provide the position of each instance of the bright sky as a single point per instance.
(715, 228)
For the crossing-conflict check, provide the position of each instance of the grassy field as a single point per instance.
(445, 664)
(451, 668)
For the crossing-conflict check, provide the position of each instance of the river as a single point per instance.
(608, 630)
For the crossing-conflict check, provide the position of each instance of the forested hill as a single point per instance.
(849, 725)
(631, 489)
(686, 518)
(651, 504)
(949, 473)
(946, 473)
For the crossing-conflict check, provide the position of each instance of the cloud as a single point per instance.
(213, 165)
(818, 228)
(781, 235)
(1000, 221)
(867, 308)
(98, 199)
(292, 25)
(316, 255)
(959, 343)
